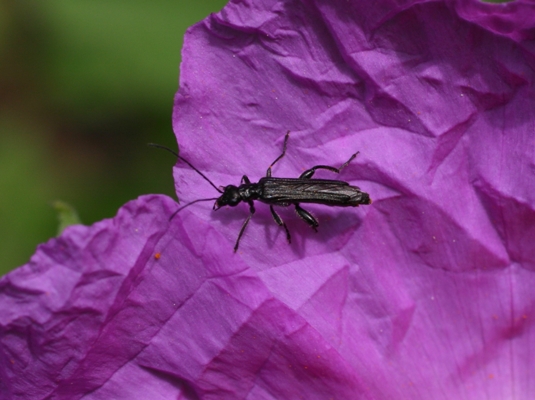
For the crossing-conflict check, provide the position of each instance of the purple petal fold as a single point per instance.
(425, 294)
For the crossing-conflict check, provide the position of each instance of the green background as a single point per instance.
(84, 86)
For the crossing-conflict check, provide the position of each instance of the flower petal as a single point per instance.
(425, 294)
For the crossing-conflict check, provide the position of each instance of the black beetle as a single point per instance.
(285, 192)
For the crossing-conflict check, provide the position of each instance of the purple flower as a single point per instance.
(426, 294)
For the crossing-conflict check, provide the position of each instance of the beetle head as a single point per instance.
(230, 197)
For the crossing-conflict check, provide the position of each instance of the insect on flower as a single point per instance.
(284, 192)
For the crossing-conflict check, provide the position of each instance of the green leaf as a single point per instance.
(67, 215)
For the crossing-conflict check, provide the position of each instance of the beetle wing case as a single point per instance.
(320, 191)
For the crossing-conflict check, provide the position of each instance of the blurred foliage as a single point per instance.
(84, 85)
(67, 215)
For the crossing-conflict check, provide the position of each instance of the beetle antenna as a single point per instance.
(159, 146)
(189, 204)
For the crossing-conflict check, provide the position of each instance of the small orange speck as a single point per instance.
(495, 317)
(157, 256)
(12, 361)
(491, 376)
(319, 356)
(524, 316)
(306, 366)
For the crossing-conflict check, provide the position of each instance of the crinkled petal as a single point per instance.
(425, 294)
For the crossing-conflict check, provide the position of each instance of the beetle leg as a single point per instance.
(268, 172)
(280, 222)
(307, 217)
(252, 211)
(245, 179)
(309, 172)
